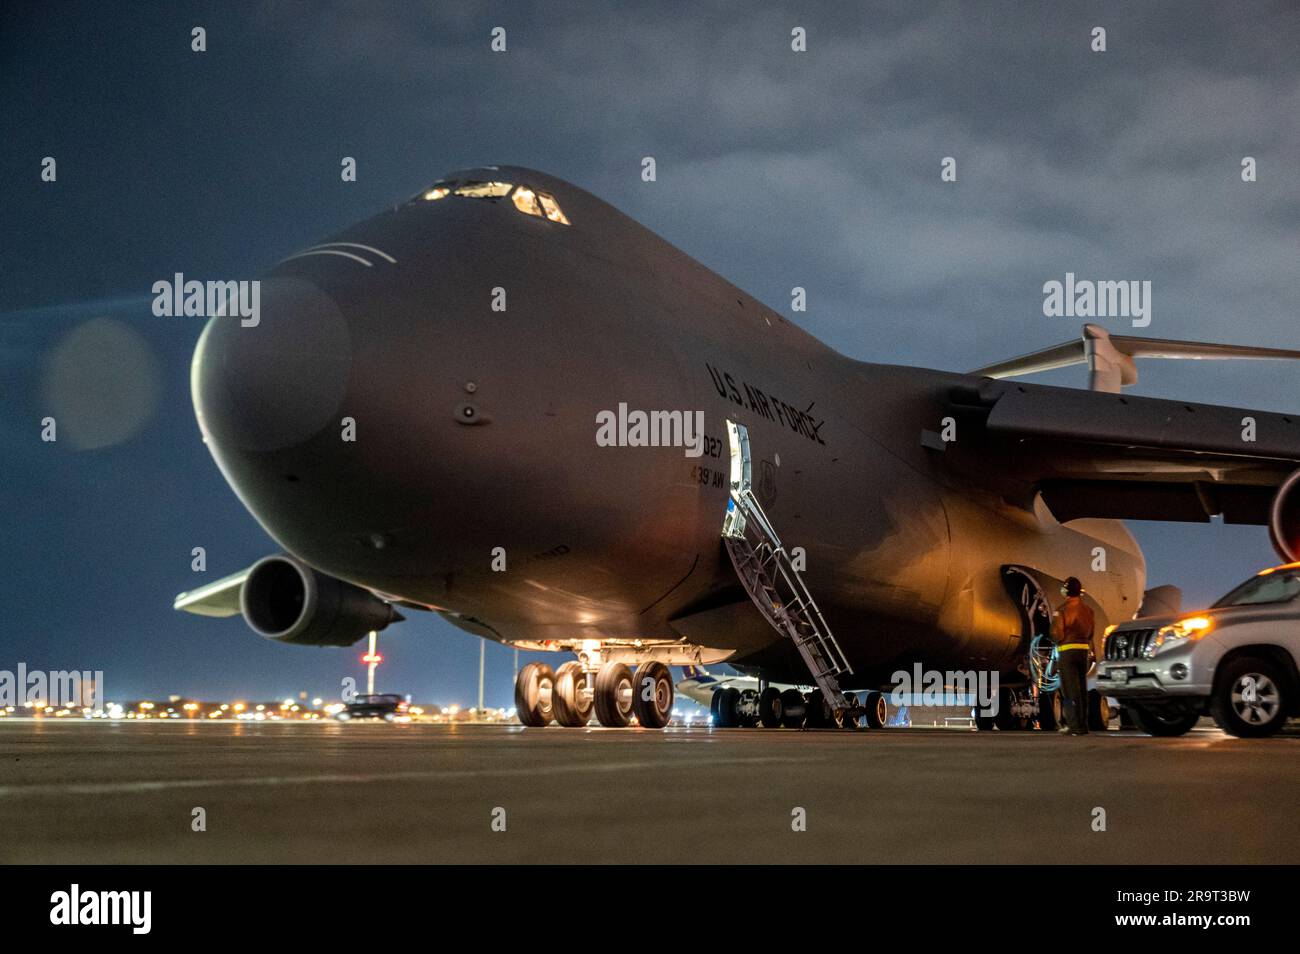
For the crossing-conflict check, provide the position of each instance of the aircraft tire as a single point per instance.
(652, 695)
(769, 708)
(613, 699)
(726, 700)
(877, 709)
(816, 716)
(534, 695)
(791, 709)
(846, 720)
(572, 706)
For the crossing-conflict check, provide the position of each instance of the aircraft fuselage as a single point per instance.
(474, 368)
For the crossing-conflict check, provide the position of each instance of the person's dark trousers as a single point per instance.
(1073, 664)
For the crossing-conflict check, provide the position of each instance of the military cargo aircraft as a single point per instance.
(479, 403)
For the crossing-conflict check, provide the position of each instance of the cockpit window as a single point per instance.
(541, 204)
(526, 199)
(551, 208)
(483, 190)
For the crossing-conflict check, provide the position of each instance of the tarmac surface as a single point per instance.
(125, 792)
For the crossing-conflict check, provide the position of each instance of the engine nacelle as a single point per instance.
(1284, 519)
(286, 600)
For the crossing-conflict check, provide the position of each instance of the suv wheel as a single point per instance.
(1251, 697)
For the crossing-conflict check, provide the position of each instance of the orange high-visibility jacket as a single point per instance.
(1074, 623)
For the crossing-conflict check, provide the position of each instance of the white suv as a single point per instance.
(1235, 661)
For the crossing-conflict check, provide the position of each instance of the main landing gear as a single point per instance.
(614, 692)
(1019, 709)
(772, 708)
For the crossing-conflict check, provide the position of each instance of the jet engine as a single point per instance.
(286, 600)
(1284, 519)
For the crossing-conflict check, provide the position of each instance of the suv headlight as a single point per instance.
(1176, 634)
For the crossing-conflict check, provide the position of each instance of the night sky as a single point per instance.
(776, 169)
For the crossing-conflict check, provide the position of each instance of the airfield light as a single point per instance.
(372, 658)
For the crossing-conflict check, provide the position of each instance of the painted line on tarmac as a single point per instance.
(163, 785)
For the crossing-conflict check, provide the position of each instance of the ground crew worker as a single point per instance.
(1072, 629)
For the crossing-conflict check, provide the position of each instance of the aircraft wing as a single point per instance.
(1110, 357)
(1100, 454)
(218, 598)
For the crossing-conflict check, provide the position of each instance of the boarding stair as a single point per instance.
(776, 586)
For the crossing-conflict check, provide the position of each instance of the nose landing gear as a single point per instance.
(593, 683)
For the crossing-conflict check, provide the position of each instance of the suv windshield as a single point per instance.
(1271, 586)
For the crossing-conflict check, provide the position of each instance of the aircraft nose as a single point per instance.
(272, 380)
